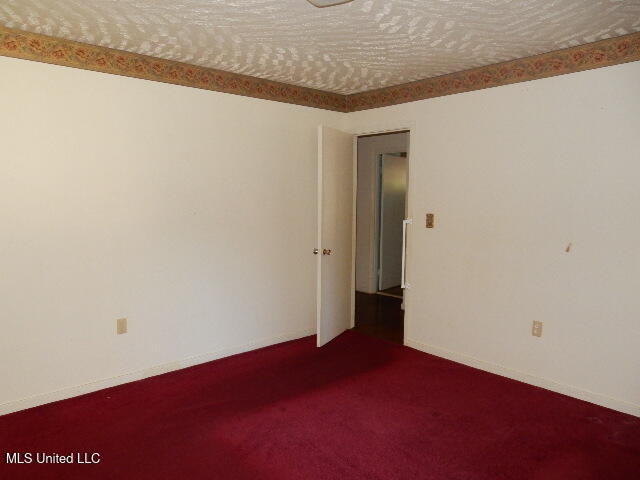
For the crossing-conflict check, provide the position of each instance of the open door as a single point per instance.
(393, 194)
(335, 233)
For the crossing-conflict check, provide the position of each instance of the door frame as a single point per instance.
(367, 132)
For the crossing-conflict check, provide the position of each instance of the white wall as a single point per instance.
(175, 208)
(367, 204)
(191, 213)
(514, 175)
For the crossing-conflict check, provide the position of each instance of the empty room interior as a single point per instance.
(313, 239)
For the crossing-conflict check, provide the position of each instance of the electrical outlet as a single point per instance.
(121, 326)
(536, 329)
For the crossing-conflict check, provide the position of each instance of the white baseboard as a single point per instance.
(570, 390)
(69, 392)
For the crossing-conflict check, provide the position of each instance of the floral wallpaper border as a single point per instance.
(598, 54)
(43, 48)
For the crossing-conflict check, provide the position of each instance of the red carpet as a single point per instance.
(359, 408)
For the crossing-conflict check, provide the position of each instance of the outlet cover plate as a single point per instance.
(536, 329)
(121, 326)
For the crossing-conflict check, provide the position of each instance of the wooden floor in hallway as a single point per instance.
(380, 316)
(393, 292)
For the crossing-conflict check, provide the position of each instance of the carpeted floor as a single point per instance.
(359, 408)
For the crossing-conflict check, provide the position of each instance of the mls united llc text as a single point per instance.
(41, 457)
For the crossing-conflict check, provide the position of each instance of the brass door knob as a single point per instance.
(315, 251)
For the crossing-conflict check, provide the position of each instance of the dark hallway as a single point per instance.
(380, 316)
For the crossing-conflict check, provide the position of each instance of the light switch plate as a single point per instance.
(429, 220)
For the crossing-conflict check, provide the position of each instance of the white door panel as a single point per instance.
(335, 233)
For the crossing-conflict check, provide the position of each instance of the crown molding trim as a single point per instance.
(68, 53)
(46, 49)
(602, 53)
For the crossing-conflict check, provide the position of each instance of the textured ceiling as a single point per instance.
(350, 48)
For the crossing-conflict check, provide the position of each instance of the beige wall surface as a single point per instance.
(190, 213)
(515, 175)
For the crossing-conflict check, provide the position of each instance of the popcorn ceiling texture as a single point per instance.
(356, 47)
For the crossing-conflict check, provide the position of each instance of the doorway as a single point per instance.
(381, 206)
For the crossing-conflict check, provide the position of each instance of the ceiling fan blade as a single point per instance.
(327, 3)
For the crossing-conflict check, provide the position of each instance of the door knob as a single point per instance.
(315, 251)
(326, 251)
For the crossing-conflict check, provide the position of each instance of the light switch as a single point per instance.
(429, 222)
